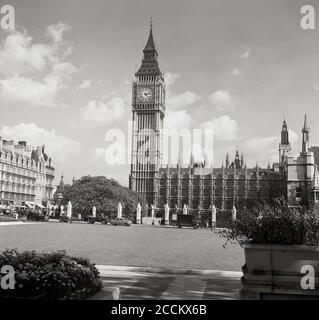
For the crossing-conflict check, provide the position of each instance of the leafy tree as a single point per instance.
(105, 194)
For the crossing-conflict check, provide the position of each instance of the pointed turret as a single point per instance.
(227, 160)
(149, 66)
(237, 160)
(284, 145)
(62, 181)
(305, 137)
(315, 179)
(242, 160)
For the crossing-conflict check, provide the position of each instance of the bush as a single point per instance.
(274, 224)
(50, 275)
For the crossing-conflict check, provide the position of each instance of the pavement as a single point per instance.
(142, 283)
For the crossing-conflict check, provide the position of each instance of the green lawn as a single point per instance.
(127, 246)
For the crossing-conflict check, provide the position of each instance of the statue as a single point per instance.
(185, 209)
(166, 209)
(153, 210)
(62, 210)
(48, 209)
(119, 210)
(69, 210)
(138, 213)
(214, 212)
(234, 211)
(94, 211)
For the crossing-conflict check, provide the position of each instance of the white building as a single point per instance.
(26, 175)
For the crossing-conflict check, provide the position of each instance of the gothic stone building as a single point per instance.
(197, 185)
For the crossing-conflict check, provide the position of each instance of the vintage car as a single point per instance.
(99, 218)
(187, 220)
(120, 222)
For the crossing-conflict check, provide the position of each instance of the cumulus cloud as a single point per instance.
(182, 100)
(34, 73)
(236, 72)
(222, 100)
(170, 79)
(224, 128)
(56, 31)
(178, 119)
(58, 147)
(247, 53)
(101, 112)
(84, 85)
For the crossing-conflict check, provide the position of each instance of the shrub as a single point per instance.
(50, 275)
(274, 224)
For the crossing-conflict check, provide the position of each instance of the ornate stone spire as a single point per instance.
(305, 136)
(315, 179)
(149, 66)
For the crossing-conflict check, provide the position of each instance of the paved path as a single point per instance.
(138, 284)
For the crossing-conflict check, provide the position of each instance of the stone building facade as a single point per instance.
(26, 175)
(196, 185)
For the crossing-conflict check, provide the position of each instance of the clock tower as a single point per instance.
(148, 112)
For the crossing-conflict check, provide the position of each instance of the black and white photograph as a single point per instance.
(159, 150)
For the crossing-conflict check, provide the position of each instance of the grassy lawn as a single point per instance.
(127, 246)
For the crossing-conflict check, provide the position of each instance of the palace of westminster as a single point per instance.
(196, 185)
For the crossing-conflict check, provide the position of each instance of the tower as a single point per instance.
(305, 137)
(148, 112)
(237, 160)
(284, 145)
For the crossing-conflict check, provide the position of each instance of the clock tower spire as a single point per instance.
(148, 112)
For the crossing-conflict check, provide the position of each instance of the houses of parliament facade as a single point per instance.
(196, 185)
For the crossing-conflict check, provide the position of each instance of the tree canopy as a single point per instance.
(105, 194)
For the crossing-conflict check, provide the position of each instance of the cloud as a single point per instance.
(34, 73)
(100, 112)
(222, 100)
(224, 128)
(261, 149)
(58, 147)
(18, 55)
(182, 100)
(84, 85)
(178, 119)
(34, 92)
(170, 79)
(56, 31)
(236, 72)
(247, 53)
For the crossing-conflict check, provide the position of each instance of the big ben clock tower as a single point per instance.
(148, 111)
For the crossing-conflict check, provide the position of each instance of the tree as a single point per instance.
(105, 194)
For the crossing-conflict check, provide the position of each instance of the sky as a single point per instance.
(238, 67)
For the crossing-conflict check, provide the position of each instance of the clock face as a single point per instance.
(144, 94)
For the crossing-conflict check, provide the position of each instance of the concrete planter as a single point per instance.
(273, 271)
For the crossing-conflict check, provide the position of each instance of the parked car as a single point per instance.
(37, 216)
(187, 220)
(120, 222)
(101, 219)
(65, 219)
